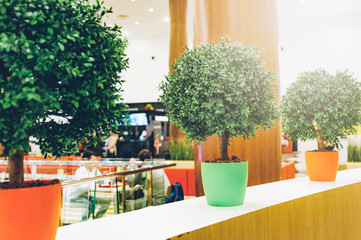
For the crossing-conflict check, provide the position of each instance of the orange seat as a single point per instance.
(288, 170)
(4, 168)
(191, 182)
(289, 148)
(291, 169)
(284, 171)
(178, 175)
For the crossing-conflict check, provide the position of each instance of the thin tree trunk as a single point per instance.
(223, 143)
(16, 168)
(320, 141)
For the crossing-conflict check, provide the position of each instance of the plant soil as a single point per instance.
(234, 159)
(37, 183)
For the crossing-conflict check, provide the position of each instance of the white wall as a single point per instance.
(329, 42)
(311, 38)
(144, 74)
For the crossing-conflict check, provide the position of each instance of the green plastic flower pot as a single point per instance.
(225, 184)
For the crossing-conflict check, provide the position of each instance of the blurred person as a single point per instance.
(160, 181)
(111, 144)
(143, 136)
(81, 192)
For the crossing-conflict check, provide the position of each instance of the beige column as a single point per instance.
(251, 22)
(178, 39)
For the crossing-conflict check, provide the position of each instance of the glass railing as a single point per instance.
(95, 189)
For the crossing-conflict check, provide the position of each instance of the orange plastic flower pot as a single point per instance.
(322, 166)
(30, 213)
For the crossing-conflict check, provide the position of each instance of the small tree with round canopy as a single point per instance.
(57, 60)
(219, 89)
(322, 106)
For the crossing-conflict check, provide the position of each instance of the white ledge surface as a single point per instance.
(162, 222)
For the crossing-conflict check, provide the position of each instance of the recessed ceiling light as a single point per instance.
(123, 16)
(126, 33)
(137, 23)
(132, 0)
(166, 19)
(151, 10)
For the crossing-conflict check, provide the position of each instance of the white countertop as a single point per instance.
(169, 220)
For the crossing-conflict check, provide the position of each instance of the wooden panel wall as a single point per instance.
(249, 22)
(333, 214)
(178, 39)
(251, 226)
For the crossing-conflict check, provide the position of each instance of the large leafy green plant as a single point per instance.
(219, 89)
(322, 106)
(57, 61)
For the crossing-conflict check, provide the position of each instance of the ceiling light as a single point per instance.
(132, 0)
(137, 22)
(123, 16)
(151, 10)
(166, 19)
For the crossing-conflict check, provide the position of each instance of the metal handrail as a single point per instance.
(123, 174)
(115, 175)
(83, 162)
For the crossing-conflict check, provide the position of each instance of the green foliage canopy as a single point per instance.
(217, 88)
(321, 103)
(58, 60)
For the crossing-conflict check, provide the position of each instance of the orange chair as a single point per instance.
(289, 148)
(178, 175)
(291, 169)
(191, 182)
(288, 170)
(284, 171)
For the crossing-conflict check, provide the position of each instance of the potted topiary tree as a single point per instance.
(59, 83)
(220, 89)
(324, 107)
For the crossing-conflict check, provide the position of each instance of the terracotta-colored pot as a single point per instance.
(30, 213)
(322, 166)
